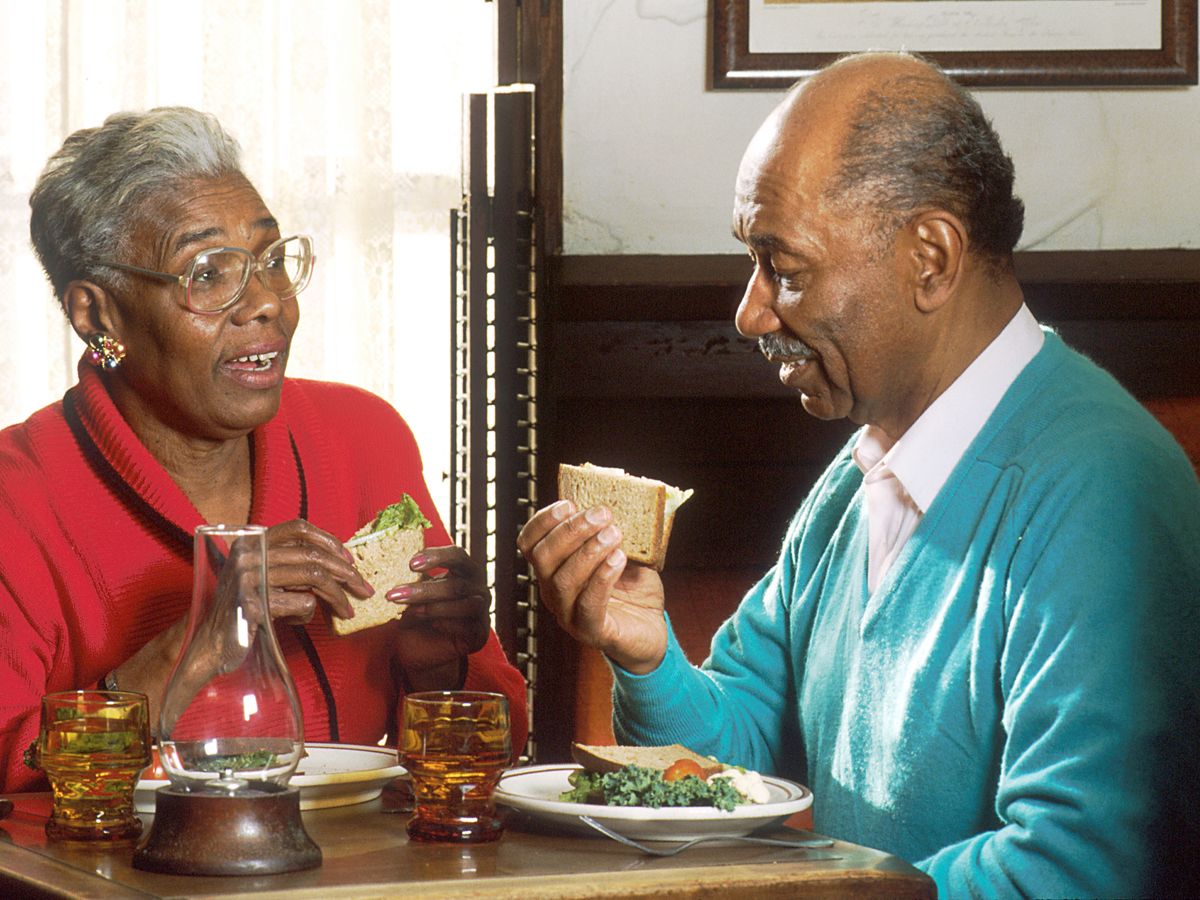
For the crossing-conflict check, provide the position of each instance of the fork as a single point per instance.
(813, 844)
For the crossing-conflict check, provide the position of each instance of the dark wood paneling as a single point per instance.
(538, 33)
(541, 66)
(1153, 358)
(1060, 285)
(1087, 267)
(665, 323)
(660, 359)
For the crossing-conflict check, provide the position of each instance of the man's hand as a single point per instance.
(588, 587)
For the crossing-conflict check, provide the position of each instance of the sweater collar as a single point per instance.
(276, 478)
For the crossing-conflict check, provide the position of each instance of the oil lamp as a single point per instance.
(230, 731)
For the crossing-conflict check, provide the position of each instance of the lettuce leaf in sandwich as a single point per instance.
(404, 513)
(382, 549)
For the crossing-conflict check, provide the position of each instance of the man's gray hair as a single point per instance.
(93, 190)
(922, 140)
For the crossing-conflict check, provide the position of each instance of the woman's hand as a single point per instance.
(446, 617)
(307, 566)
(584, 581)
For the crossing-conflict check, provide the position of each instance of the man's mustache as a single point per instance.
(777, 347)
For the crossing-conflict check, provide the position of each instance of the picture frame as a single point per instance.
(770, 44)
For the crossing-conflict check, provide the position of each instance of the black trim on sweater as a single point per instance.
(302, 635)
(179, 538)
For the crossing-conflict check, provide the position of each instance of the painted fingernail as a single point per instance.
(418, 561)
(400, 594)
(609, 535)
(347, 555)
(598, 515)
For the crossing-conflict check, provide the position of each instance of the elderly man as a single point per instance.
(979, 644)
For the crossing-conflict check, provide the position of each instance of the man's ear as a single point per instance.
(939, 243)
(89, 309)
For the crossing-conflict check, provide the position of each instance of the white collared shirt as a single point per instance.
(901, 480)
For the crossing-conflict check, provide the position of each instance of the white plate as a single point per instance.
(535, 790)
(331, 775)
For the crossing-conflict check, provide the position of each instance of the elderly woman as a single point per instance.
(172, 269)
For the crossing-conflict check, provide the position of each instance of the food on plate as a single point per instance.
(659, 776)
(682, 768)
(602, 758)
(643, 508)
(382, 549)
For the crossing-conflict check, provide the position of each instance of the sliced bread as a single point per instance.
(609, 759)
(382, 558)
(643, 508)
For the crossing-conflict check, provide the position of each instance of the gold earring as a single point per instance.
(105, 352)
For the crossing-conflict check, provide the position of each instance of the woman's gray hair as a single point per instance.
(93, 190)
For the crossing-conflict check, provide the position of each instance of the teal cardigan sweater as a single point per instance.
(1015, 708)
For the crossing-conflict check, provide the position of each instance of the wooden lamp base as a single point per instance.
(256, 832)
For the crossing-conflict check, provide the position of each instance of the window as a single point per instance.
(349, 116)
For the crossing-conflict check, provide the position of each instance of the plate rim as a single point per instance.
(316, 781)
(777, 809)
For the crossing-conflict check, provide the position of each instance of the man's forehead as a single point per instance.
(766, 208)
(789, 171)
(794, 153)
(799, 135)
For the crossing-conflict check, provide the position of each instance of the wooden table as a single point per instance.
(367, 854)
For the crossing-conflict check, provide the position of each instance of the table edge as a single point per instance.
(29, 872)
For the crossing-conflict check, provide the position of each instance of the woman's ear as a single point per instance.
(938, 247)
(89, 309)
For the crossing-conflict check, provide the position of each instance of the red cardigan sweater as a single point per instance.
(96, 548)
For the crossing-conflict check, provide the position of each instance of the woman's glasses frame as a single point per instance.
(256, 265)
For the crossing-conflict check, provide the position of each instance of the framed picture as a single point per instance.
(982, 43)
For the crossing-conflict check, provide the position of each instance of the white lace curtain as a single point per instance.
(349, 117)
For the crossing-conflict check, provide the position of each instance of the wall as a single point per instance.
(649, 155)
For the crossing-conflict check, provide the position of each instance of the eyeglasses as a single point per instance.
(216, 278)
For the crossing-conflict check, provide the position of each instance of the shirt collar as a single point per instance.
(927, 453)
(870, 448)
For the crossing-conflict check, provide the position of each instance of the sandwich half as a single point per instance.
(643, 508)
(596, 758)
(382, 549)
